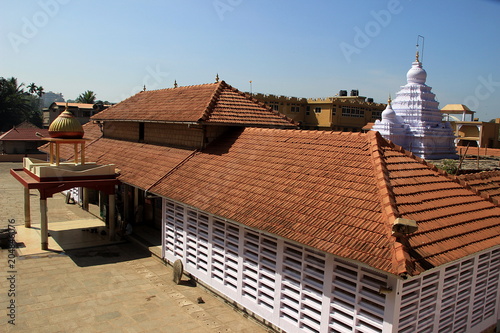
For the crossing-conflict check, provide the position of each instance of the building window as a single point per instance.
(352, 111)
(308, 110)
(317, 110)
(295, 108)
(376, 115)
(334, 111)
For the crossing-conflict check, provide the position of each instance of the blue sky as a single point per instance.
(293, 48)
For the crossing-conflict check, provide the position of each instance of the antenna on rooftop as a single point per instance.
(421, 53)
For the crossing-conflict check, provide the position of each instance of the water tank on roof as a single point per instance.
(369, 100)
(343, 93)
(354, 92)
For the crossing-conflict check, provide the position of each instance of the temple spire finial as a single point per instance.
(144, 89)
(217, 78)
(175, 83)
(389, 100)
(418, 54)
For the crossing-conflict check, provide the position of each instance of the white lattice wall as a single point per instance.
(75, 194)
(462, 297)
(293, 287)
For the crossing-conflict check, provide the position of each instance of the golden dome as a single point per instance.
(66, 126)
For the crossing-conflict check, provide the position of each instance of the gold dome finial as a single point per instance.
(389, 101)
(217, 78)
(416, 58)
(175, 83)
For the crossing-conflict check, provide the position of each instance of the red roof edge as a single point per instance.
(223, 85)
(213, 101)
(401, 259)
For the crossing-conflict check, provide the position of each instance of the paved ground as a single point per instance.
(113, 288)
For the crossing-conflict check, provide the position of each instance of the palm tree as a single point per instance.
(39, 91)
(15, 104)
(32, 88)
(86, 97)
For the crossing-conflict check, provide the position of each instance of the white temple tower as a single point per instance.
(417, 124)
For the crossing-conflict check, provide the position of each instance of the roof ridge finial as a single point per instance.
(217, 78)
(175, 83)
(144, 89)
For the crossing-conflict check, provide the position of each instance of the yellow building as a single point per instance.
(340, 112)
(468, 130)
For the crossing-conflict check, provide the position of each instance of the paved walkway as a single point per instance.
(109, 288)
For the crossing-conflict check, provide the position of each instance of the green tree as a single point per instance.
(86, 97)
(14, 103)
(17, 105)
(32, 88)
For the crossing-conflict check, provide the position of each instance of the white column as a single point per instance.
(44, 224)
(27, 208)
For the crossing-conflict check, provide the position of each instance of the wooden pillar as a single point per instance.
(82, 152)
(127, 202)
(85, 198)
(76, 153)
(44, 225)
(57, 154)
(111, 205)
(27, 208)
(136, 200)
(51, 145)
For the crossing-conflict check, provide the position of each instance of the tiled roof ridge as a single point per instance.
(453, 178)
(464, 181)
(401, 259)
(264, 105)
(480, 175)
(178, 88)
(96, 116)
(225, 85)
(213, 101)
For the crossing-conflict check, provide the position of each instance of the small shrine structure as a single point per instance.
(413, 120)
(56, 176)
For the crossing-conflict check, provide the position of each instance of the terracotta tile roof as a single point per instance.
(217, 103)
(336, 192)
(486, 183)
(23, 134)
(317, 188)
(453, 221)
(139, 164)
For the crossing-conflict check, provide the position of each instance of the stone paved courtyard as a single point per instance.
(113, 288)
